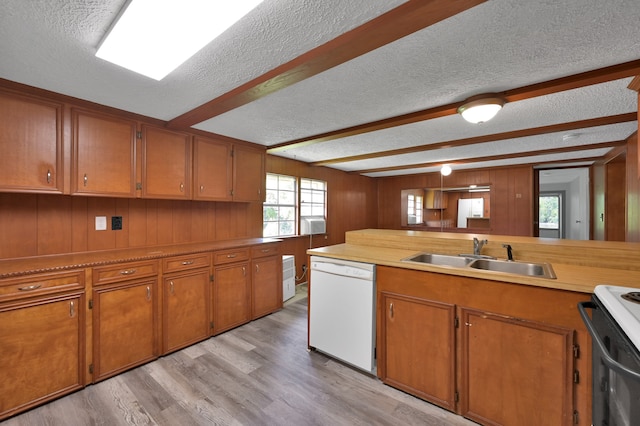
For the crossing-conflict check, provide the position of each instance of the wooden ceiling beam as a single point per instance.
(397, 23)
(499, 157)
(562, 127)
(602, 75)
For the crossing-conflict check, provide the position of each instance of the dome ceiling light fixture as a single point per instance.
(445, 170)
(481, 108)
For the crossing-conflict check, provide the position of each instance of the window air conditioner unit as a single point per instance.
(312, 225)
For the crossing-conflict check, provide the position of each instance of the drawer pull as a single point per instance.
(86, 179)
(128, 272)
(181, 187)
(232, 256)
(49, 176)
(266, 250)
(187, 262)
(30, 287)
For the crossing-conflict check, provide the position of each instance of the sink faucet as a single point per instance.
(509, 252)
(477, 245)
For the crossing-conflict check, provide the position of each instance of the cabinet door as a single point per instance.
(31, 145)
(103, 155)
(507, 360)
(267, 286)
(166, 164)
(212, 170)
(124, 331)
(248, 174)
(42, 351)
(418, 347)
(231, 296)
(186, 309)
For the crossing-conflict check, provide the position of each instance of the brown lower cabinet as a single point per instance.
(422, 367)
(231, 289)
(42, 339)
(186, 301)
(496, 353)
(125, 317)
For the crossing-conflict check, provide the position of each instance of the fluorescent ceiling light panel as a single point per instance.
(154, 37)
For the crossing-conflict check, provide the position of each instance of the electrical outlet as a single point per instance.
(304, 268)
(116, 223)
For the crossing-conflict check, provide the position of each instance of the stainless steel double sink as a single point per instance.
(539, 270)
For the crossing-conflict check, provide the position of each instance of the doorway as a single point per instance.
(569, 188)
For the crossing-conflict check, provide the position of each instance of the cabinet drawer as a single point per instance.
(124, 271)
(263, 250)
(16, 288)
(229, 256)
(182, 263)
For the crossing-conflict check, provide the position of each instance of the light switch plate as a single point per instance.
(101, 223)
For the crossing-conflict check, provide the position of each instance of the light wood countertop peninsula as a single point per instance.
(578, 265)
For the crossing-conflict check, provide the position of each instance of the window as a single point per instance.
(414, 209)
(282, 210)
(279, 209)
(549, 211)
(313, 196)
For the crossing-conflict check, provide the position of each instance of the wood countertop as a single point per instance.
(42, 264)
(571, 277)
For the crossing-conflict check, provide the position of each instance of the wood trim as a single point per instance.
(406, 19)
(635, 84)
(601, 75)
(502, 156)
(581, 124)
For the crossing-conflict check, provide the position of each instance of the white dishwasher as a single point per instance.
(342, 310)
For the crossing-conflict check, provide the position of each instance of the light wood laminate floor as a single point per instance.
(257, 374)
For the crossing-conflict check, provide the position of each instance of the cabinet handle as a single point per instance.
(181, 187)
(257, 268)
(201, 188)
(128, 272)
(244, 271)
(48, 175)
(148, 293)
(391, 310)
(231, 256)
(171, 289)
(187, 262)
(72, 309)
(266, 250)
(30, 287)
(86, 179)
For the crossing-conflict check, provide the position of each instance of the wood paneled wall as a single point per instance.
(36, 225)
(352, 204)
(511, 204)
(633, 190)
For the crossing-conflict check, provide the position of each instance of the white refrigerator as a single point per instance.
(469, 207)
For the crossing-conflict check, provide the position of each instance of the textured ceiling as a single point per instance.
(497, 46)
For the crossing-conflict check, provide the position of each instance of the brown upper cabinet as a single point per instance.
(31, 144)
(248, 174)
(227, 172)
(103, 155)
(166, 163)
(212, 170)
